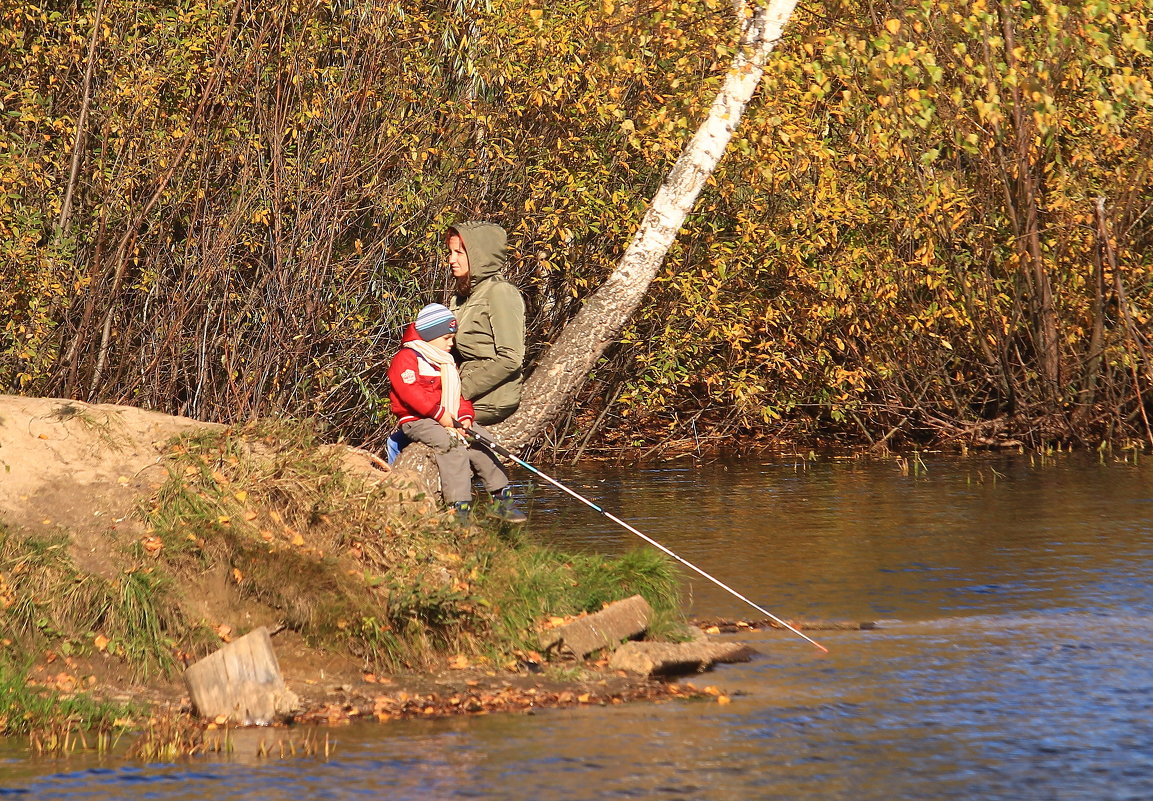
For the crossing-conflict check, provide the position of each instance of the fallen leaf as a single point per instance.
(723, 699)
(236, 574)
(240, 495)
(713, 630)
(458, 662)
(101, 643)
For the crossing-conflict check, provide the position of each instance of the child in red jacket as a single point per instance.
(425, 396)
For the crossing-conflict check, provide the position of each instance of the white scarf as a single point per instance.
(449, 377)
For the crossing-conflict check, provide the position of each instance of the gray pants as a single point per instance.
(457, 460)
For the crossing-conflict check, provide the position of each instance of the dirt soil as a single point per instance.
(84, 469)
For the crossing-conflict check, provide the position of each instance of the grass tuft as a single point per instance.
(56, 722)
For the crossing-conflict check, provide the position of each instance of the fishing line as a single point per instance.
(486, 439)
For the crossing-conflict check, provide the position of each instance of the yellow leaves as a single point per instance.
(893, 26)
(100, 643)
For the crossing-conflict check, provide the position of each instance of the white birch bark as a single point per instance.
(562, 370)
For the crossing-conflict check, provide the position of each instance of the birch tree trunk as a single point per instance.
(562, 370)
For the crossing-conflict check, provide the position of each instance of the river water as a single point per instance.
(1012, 658)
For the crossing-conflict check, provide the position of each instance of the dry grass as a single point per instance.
(368, 563)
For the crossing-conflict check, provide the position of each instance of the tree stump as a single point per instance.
(241, 682)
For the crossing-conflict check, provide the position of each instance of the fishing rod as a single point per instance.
(486, 439)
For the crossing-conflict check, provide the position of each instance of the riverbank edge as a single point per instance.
(87, 488)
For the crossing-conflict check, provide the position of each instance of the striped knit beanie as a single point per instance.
(434, 321)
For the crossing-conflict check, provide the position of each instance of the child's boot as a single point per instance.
(462, 510)
(504, 507)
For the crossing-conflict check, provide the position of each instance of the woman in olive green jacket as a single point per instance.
(490, 313)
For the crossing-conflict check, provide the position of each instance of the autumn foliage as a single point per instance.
(934, 223)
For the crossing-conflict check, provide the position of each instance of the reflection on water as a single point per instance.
(1012, 662)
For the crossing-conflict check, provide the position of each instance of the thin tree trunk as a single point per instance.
(1092, 369)
(563, 368)
(1028, 198)
(81, 126)
(1139, 369)
(124, 252)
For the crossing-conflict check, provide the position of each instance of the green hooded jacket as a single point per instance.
(490, 326)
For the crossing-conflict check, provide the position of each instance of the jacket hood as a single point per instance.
(487, 248)
(409, 333)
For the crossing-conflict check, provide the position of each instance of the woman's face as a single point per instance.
(457, 257)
